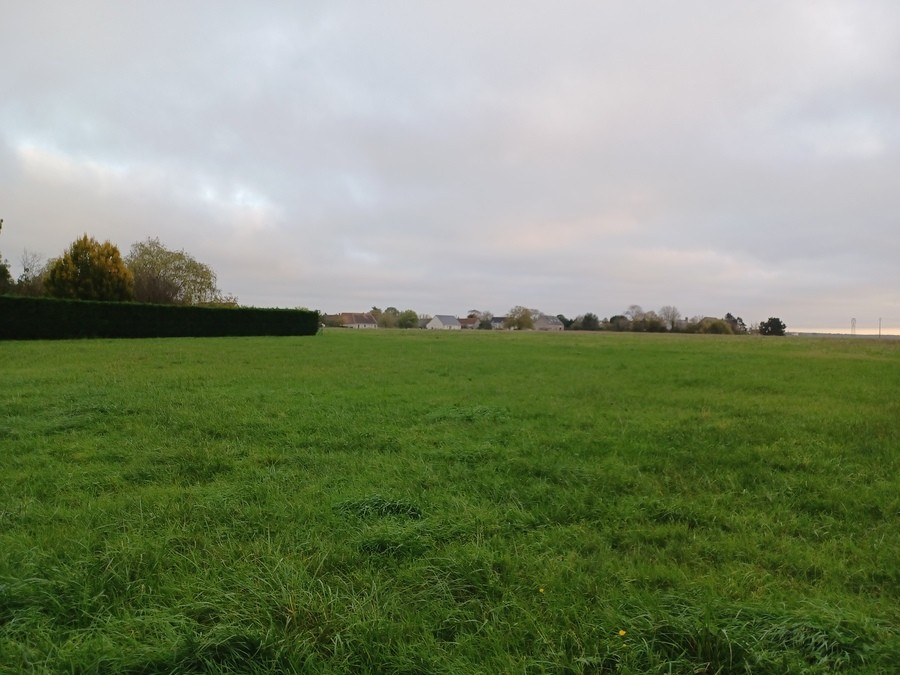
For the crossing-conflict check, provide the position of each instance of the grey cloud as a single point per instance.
(579, 156)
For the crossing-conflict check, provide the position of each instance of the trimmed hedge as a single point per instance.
(23, 318)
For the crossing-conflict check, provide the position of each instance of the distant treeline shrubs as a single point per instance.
(23, 318)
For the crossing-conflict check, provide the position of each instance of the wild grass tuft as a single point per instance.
(378, 506)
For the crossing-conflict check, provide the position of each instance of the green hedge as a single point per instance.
(24, 318)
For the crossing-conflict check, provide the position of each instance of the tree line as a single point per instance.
(92, 270)
(634, 319)
(669, 320)
(153, 273)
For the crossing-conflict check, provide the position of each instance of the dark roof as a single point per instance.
(357, 317)
(447, 320)
(549, 320)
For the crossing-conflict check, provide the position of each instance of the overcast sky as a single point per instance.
(570, 156)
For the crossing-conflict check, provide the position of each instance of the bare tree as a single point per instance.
(31, 281)
(634, 312)
(670, 315)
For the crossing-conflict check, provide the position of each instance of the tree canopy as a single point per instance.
(388, 317)
(774, 326)
(407, 319)
(89, 270)
(5, 276)
(164, 276)
(588, 321)
(519, 318)
(671, 315)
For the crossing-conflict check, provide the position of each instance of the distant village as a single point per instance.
(364, 320)
(667, 320)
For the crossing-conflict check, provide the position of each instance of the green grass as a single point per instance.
(413, 502)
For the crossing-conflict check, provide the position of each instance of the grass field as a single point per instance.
(413, 502)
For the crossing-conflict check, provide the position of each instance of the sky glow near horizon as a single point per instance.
(571, 157)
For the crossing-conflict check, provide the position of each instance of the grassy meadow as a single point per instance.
(420, 502)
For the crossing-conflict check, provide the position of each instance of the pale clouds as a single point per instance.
(574, 156)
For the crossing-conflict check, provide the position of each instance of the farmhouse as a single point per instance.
(443, 322)
(497, 322)
(547, 322)
(358, 320)
(469, 323)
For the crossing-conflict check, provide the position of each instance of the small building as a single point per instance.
(547, 322)
(498, 323)
(358, 320)
(469, 323)
(443, 322)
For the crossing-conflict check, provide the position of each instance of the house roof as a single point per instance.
(447, 320)
(549, 320)
(357, 317)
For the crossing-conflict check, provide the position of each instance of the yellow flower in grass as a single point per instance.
(541, 589)
(621, 632)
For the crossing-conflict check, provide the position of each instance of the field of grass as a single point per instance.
(414, 502)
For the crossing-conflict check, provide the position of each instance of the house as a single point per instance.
(443, 322)
(497, 323)
(469, 323)
(358, 320)
(547, 322)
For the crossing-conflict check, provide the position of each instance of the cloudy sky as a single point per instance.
(570, 156)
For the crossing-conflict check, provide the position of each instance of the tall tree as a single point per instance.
(670, 315)
(34, 271)
(89, 270)
(774, 326)
(619, 323)
(590, 321)
(650, 322)
(738, 327)
(389, 318)
(566, 322)
(408, 319)
(634, 312)
(519, 318)
(164, 276)
(6, 283)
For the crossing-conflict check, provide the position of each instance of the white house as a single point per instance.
(358, 320)
(443, 322)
